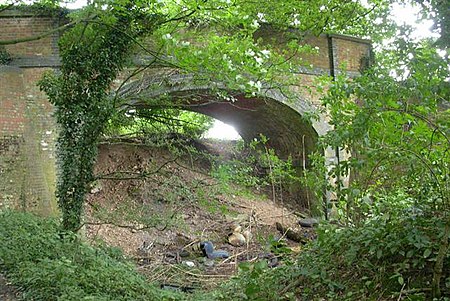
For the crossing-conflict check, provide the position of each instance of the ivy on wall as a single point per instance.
(5, 56)
(91, 53)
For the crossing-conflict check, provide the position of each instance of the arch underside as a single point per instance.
(269, 113)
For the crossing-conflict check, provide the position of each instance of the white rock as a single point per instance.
(190, 264)
(236, 239)
(248, 235)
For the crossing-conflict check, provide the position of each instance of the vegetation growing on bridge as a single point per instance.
(97, 48)
(393, 236)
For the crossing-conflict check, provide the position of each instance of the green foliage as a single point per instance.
(50, 266)
(388, 255)
(395, 132)
(5, 56)
(91, 53)
(257, 166)
(392, 123)
(158, 121)
(238, 172)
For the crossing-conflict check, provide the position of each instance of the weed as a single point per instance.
(49, 265)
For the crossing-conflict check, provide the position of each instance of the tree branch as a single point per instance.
(40, 36)
(139, 175)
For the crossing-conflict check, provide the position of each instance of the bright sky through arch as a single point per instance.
(222, 131)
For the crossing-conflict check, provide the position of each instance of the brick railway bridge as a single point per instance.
(28, 131)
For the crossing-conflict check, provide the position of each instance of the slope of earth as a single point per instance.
(7, 292)
(157, 204)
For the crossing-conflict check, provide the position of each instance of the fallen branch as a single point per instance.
(139, 175)
(130, 227)
(291, 234)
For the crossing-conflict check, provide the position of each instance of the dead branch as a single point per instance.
(130, 227)
(291, 234)
(137, 175)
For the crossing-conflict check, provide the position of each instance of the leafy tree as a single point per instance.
(395, 122)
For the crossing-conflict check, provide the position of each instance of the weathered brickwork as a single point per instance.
(353, 55)
(16, 25)
(28, 131)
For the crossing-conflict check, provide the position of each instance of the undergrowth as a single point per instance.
(51, 266)
(387, 258)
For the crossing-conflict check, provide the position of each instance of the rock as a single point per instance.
(209, 263)
(190, 264)
(248, 235)
(236, 239)
(308, 222)
(291, 234)
(219, 254)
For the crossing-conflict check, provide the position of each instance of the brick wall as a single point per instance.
(19, 25)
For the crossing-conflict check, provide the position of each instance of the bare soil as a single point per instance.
(7, 292)
(157, 205)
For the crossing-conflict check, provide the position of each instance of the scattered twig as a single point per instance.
(232, 257)
(401, 291)
(139, 175)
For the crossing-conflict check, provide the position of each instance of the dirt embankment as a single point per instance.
(157, 205)
(7, 292)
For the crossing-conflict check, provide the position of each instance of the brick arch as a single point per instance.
(28, 131)
(270, 113)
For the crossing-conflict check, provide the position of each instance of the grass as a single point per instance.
(48, 265)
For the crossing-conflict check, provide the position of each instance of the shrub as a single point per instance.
(390, 257)
(49, 265)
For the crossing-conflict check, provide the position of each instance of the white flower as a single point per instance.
(265, 52)
(322, 8)
(167, 36)
(261, 17)
(185, 43)
(296, 22)
(230, 65)
(259, 60)
(250, 52)
(257, 85)
(255, 24)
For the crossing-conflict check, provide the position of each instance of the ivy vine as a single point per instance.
(5, 56)
(92, 53)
